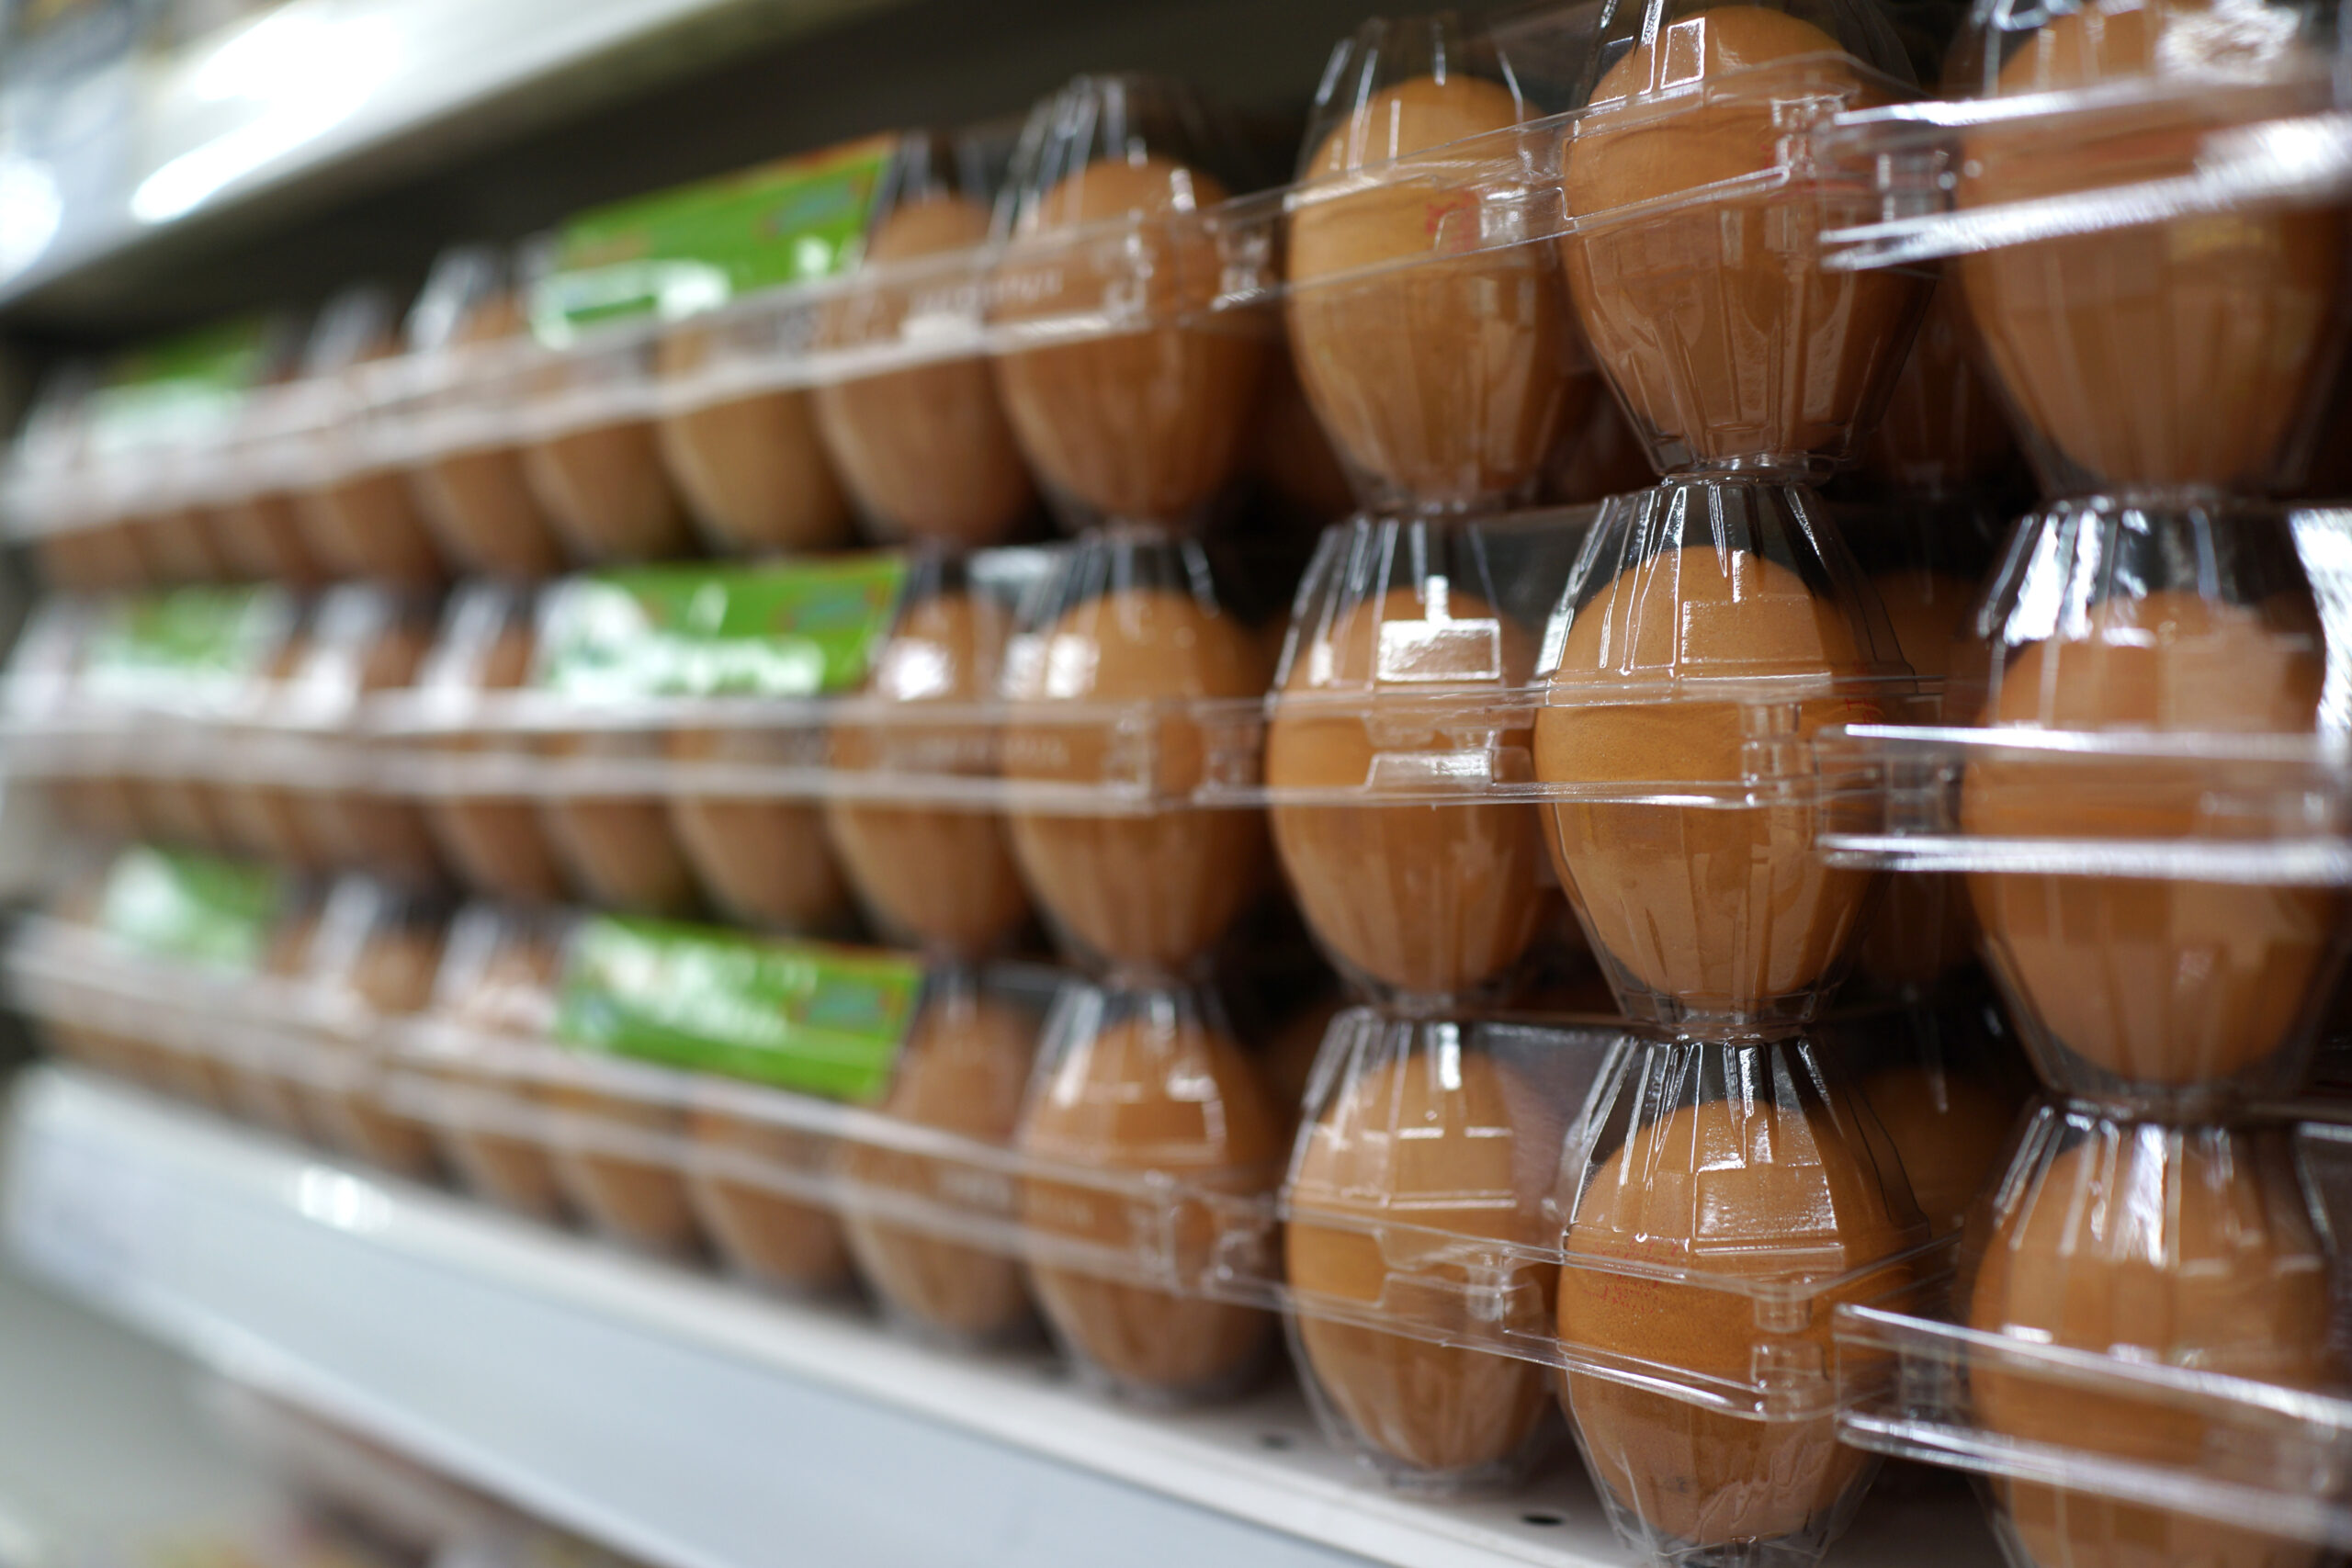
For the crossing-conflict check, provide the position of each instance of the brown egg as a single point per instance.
(1144, 425)
(1446, 377)
(95, 557)
(1433, 1146)
(1433, 900)
(1714, 319)
(1723, 909)
(392, 976)
(495, 844)
(742, 1174)
(1157, 1091)
(178, 547)
(2160, 1247)
(179, 811)
(364, 827)
(2156, 982)
(2164, 353)
(1950, 1130)
(926, 451)
(604, 491)
(764, 862)
(476, 500)
(496, 847)
(941, 878)
(618, 850)
(1925, 928)
(617, 1156)
(482, 512)
(751, 468)
(260, 539)
(364, 524)
(261, 817)
(962, 1070)
(1152, 891)
(1942, 430)
(1724, 1190)
(254, 1081)
(488, 1128)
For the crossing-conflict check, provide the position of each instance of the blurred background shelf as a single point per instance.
(688, 1422)
(147, 179)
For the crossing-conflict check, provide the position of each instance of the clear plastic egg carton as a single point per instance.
(2117, 1388)
(231, 985)
(570, 1065)
(2254, 124)
(1467, 1249)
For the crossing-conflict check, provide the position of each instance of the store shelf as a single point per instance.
(313, 84)
(695, 1425)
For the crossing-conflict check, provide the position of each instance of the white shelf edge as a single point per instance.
(506, 1353)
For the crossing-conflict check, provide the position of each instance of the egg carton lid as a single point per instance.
(2279, 143)
(2269, 809)
(2269, 1458)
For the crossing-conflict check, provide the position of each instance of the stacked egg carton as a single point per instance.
(2144, 782)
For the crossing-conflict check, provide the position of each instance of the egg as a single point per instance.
(1443, 371)
(475, 499)
(390, 977)
(260, 539)
(1153, 890)
(926, 451)
(1722, 909)
(1944, 430)
(604, 489)
(255, 1083)
(619, 851)
(2174, 354)
(1159, 1091)
(1428, 900)
(1948, 1128)
(1436, 1142)
(497, 847)
(480, 511)
(365, 826)
(363, 526)
(751, 468)
(1724, 1191)
(1714, 318)
(2161, 1248)
(962, 1071)
(486, 1125)
(941, 878)
(763, 1229)
(1143, 425)
(258, 815)
(2164, 984)
(764, 862)
(616, 1156)
(178, 547)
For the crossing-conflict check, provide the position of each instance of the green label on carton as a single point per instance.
(802, 630)
(195, 909)
(824, 1021)
(188, 641)
(697, 247)
(179, 389)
